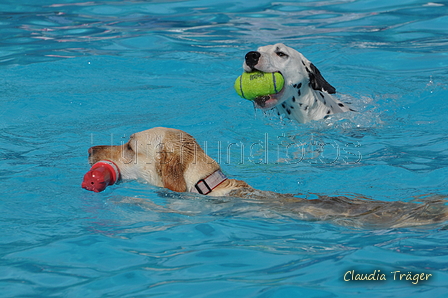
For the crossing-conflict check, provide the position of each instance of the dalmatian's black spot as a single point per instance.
(340, 104)
(300, 104)
(352, 110)
(283, 105)
(306, 108)
(292, 107)
(328, 112)
(293, 99)
(321, 94)
(299, 93)
(288, 111)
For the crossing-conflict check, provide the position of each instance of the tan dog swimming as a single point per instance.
(172, 159)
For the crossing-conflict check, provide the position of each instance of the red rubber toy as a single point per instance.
(100, 175)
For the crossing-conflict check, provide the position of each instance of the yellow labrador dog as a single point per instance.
(172, 159)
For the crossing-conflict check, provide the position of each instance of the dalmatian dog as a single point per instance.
(305, 96)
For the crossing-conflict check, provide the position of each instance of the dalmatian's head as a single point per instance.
(301, 76)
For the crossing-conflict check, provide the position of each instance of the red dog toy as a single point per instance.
(100, 175)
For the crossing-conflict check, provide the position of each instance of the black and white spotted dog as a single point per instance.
(305, 95)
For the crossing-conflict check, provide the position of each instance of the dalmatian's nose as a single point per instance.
(252, 59)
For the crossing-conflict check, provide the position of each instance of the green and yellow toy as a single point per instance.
(251, 85)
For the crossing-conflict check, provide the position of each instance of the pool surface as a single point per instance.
(77, 74)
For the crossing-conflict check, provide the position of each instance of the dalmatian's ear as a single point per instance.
(317, 81)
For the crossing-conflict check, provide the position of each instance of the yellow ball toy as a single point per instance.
(251, 85)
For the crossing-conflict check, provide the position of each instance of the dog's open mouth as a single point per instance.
(262, 100)
(267, 102)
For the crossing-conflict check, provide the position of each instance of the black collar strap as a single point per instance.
(206, 185)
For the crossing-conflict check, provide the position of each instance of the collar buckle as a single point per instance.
(200, 189)
(206, 185)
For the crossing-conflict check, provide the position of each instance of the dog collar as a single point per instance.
(206, 185)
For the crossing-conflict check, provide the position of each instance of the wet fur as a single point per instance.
(306, 95)
(173, 159)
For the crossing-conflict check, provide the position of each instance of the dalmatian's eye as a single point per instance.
(282, 55)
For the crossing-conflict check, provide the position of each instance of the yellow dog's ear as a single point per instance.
(171, 167)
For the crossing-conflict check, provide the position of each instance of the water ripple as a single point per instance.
(75, 29)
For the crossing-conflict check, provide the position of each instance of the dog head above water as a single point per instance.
(305, 95)
(169, 158)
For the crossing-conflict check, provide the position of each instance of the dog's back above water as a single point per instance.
(172, 159)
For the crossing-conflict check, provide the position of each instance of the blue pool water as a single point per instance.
(76, 74)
